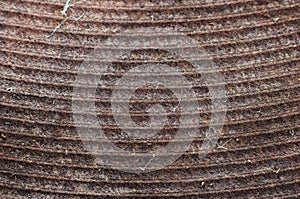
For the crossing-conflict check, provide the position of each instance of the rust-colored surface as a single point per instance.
(255, 45)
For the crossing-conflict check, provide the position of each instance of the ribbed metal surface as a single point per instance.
(255, 45)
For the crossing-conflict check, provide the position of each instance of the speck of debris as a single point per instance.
(3, 136)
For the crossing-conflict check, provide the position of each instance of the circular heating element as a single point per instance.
(152, 99)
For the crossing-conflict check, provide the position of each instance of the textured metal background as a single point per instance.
(255, 45)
